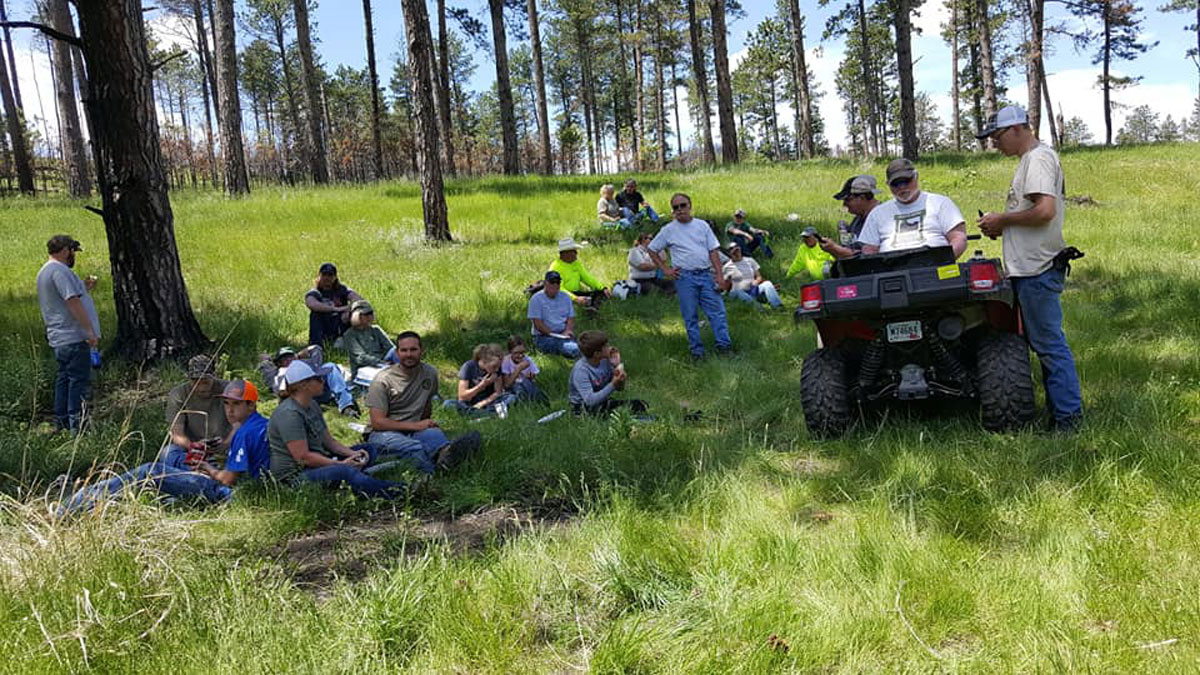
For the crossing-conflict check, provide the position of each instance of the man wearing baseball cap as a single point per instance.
(328, 302)
(746, 236)
(195, 413)
(72, 329)
(912, 218)
(810, 257)
(858, 197)
(551, 316)
(336, 390)
(583, 288)
(1032, 229)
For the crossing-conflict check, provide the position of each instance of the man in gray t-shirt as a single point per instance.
(72, 329)
(552, 319)
(1031, 226)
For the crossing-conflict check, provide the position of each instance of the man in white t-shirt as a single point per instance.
(913, 218)
(1032, 228)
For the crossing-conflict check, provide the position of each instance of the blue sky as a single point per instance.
(1169, 85)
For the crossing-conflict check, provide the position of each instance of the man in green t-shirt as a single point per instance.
(196, 414)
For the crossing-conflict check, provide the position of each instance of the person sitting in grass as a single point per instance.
(400, 404)
(747, 237)
(249, 454)
(520, 372)
(642, 270)
(746, 280)
(583, 288)
(303, 450)
(596, 376)
(195, 414)
(810, 257)
(480, 384)
(634, 206)
(366, 343)
(328, 302)
(552, 317)
(336, 391)
(608, 211)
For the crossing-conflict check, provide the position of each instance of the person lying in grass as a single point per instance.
(520, 371)
(249, 454)
(481, 385)
(596, 376)
(335, 391)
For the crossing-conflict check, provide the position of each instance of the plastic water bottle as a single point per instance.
(95, 357)
(845, 236)
(502, 410)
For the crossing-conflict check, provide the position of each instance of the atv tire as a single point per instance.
(1005, 384)
(823, 394)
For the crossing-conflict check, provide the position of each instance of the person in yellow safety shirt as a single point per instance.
(810, 258)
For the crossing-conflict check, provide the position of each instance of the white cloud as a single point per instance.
(932, 16)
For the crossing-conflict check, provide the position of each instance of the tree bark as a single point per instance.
(207, 85)
(376, 131)
(1055, 131)
(16, 132)
(911, 145)
(986, 58)
(699, 72)
(154, 315)
(954, 94)
(1033, 59)
(508, 120)
(429, 166)
(804, 99)
(729, 141)
(875, 125)
(79, 180)
(539, 83)
(1108, 131)
(312, 95)
(12, 61)
(229, 112)
(443, 92)
(660, 103)
(675, 98)
(288, 88)
(639, 94)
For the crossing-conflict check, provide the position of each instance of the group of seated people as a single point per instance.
(627, 210)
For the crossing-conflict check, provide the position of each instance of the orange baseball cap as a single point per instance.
(240, 390)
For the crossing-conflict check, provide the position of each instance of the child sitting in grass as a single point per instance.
(520, 371)
(595, 377)
(481, 385)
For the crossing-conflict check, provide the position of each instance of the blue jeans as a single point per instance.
(696, 290)
(527, 390)
(553, 345)
(507, 398)
(72, 384)
(765, 290)
(419, 447)
(336, 390)
(1041, 311)
(751, 244)
(170, 481)
(360, 483)
(634, 216)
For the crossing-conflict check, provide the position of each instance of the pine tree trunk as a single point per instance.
(699, 72)
(1106, 77)
(729, 141)
(376, 132)
(289, 90)
(443, 91)
(1033, 61)
(986, 58)
(79, 180)
(312, 95)
(16, 131)
(639, 130)
(954, 93)
(212, 62)
(154, 315)
(539, 83)
(875, 126)
(1055, 130)
(911, 145)
(804, 132)
(429, 164)
(208, 84)
(678, 126)
(508, 120)
(229, 112)
(660, 107)
(11, 76)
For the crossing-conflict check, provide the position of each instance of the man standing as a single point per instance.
(697, 269)
(858, 198)
(72, 329)
(1032, 228)
(583, 287)
(400, 401)
(913, 218)
(633, 205)
(552, 315)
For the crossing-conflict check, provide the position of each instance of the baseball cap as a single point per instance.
(1005, 117)
(328, 269)
(739, 214)
(240, 390)
(809, 232)
(858, 185)
(362, 307)
(900, 168)
(567, 244)
(299, 371)
(201, 365)
(62, 241)
(283, 351)
(553, 277)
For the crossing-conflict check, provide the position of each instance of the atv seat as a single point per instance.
(859, 265)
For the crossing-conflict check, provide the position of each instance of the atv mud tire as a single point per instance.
(823, 394)
(1005, 384)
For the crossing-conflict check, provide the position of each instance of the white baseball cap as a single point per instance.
(1005, 117)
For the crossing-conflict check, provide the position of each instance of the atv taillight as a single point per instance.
(810, 297)
(984, 277)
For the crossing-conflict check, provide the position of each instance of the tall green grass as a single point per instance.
(917, 543)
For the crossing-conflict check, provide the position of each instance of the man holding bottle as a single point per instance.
(72, 329)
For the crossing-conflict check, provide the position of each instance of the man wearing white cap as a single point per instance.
(913, 218)
(583, 288)
(1032, 228)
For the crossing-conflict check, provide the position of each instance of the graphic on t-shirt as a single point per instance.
(908, 230)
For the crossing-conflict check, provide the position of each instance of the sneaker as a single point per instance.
(458, 450)
(726, 352)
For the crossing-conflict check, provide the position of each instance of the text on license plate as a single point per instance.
(904, 331)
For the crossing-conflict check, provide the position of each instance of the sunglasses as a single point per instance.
(680, 206)
(900, 182)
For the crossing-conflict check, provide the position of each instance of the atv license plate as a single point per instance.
(904, 331)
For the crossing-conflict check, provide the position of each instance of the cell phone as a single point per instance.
(980, 213)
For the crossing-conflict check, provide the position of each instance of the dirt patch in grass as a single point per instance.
(316, 561)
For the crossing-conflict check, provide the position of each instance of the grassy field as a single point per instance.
(918, 543)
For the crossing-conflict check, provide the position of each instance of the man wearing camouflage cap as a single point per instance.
(196, 414)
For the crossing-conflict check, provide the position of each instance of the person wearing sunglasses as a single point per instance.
(912, 218)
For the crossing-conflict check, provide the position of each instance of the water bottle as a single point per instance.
(502, 410)
(845, 236)
(95, 357)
